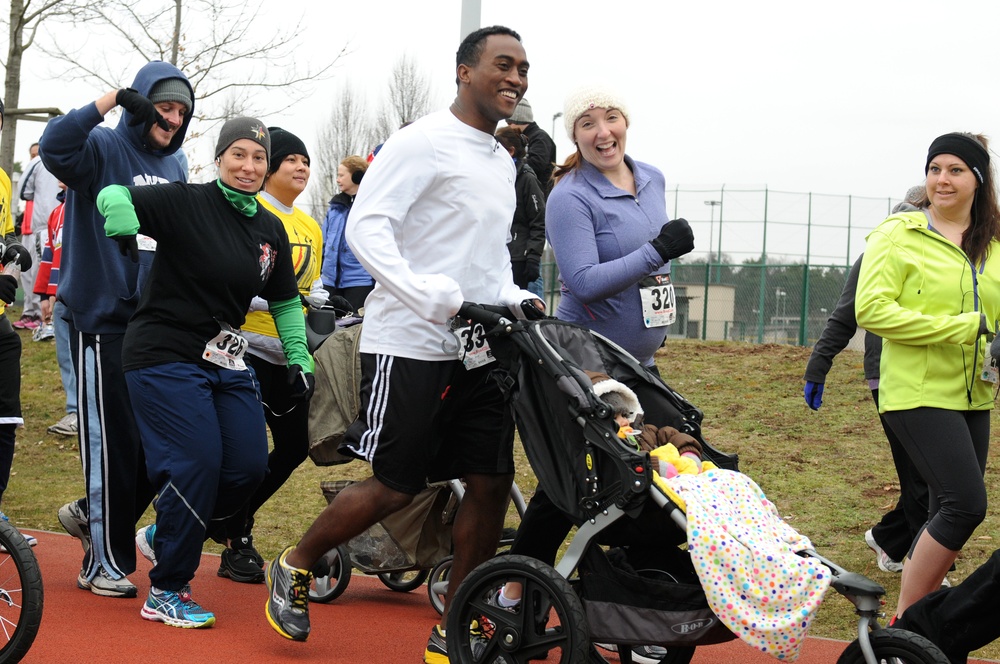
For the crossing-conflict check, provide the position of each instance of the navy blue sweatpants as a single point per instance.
(206, 451)
(113, 466)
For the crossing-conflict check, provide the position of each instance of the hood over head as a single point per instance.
(149, 75)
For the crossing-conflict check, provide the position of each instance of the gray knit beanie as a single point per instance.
(522, 114)
(171, 89)
(243, 127)
(583, 99)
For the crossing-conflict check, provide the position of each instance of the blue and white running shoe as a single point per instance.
(176, 609)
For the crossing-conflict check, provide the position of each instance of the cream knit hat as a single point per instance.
(591, 96)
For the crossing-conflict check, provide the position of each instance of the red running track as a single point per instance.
(368, 623)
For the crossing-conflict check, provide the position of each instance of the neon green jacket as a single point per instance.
(919, 292)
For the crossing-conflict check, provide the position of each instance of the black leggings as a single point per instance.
(289, 425)
(949, 449)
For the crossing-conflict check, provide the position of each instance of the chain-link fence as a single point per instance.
(768, 266)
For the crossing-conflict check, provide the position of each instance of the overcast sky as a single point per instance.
(838, 98)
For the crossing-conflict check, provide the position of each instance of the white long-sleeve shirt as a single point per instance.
(430, 223)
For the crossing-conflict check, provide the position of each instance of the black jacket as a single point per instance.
(541, 155)
(527, 231)
(839, 331)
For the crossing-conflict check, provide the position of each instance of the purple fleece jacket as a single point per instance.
(600, 235)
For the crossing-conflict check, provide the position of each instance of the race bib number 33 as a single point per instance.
(473, 349)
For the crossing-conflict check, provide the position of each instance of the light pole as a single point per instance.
(554, 118)
(711, 223)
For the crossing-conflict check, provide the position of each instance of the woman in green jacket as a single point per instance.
(930, 287)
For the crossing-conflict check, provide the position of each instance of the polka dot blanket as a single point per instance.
(745, 558)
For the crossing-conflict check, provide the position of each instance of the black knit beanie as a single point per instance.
(284, 143)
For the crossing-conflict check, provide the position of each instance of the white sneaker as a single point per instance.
(885, 563)
(67, 426)
(74, 522)
(640, 654)
(144, 541)
(44, 332)
(30, 539)
(105, 586)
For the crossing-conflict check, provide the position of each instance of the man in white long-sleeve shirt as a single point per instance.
(430, 223)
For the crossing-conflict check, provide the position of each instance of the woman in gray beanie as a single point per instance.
(287, 418)
(195, 399)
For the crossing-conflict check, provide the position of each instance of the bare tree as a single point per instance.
(346, 132)
(351, 130)
(409, 91)
(26, 17)
(409, 97)
(216, 43)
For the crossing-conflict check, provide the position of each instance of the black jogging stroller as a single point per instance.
(570, 439)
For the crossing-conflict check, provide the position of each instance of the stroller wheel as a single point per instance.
(328, 588)
(550, 618)
(895, 646)
(437, 585)
(404, 582)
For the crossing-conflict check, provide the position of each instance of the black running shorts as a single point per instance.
(426, 421)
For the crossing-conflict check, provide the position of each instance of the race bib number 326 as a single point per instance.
(226, 349)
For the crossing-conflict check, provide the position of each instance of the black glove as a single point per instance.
(531, 312)
(675, 239)
(340, 305)
(142, 110)
(8, 288)
(128, 246)
(531, 269)
(301, 383)
(16, 253)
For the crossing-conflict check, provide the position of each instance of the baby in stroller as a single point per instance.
(640, 546)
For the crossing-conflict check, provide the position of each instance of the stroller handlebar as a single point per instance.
(487, 315)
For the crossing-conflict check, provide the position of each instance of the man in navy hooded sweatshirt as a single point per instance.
(100, 289)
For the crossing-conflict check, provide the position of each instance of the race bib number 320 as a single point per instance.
(658, 304)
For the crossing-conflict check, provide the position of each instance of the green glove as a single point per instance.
(121, 222)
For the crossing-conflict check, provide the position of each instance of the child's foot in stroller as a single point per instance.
(640, 654)
(500, 600)
(885, 563)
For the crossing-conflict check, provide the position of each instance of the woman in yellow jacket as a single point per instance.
(930, 287)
